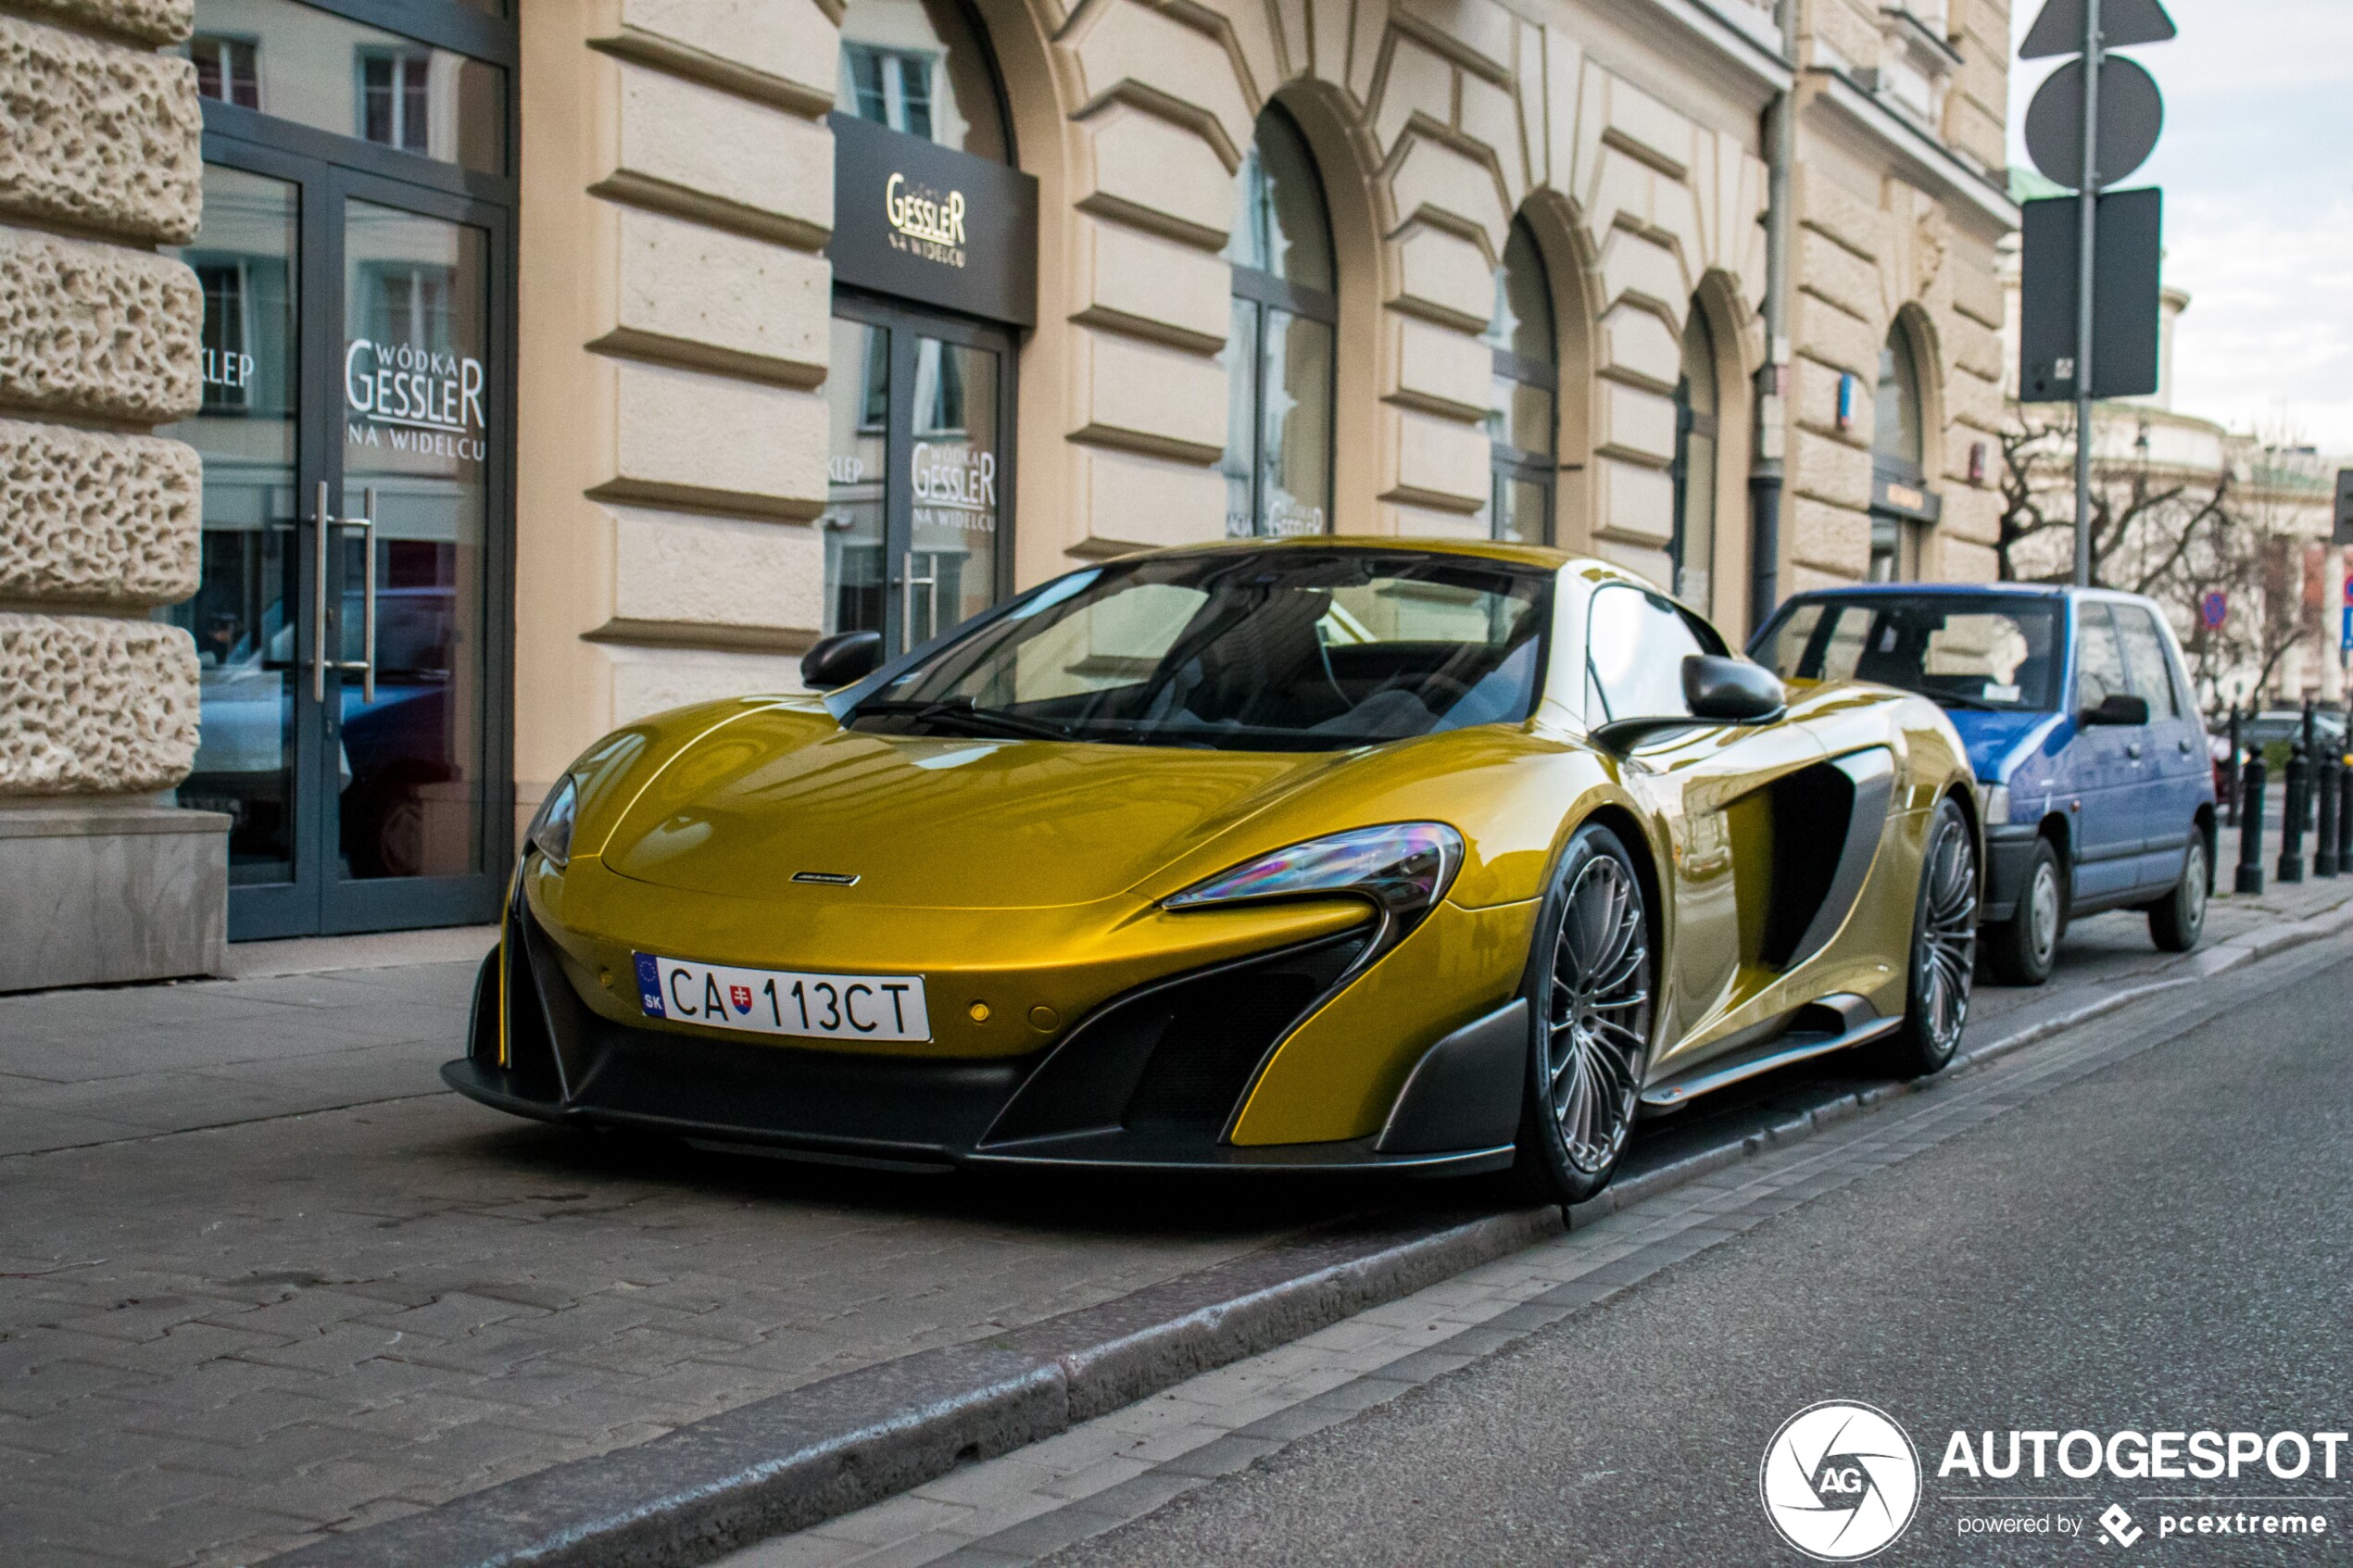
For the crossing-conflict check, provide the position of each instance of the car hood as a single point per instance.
(934, 821)
(1998, 742)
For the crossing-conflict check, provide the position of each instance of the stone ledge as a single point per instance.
(108, 895)
(100, 135)
(97, 519)
(98, 329)
(94, 707)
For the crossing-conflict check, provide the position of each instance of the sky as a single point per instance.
(2257, 165)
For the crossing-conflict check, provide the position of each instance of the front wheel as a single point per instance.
(2024, 946)
(1589, 993)
(1943, 961)
(2178, 920)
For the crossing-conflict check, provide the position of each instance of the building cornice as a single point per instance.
(1931, 164)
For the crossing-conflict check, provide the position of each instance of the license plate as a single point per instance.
(773, 1001)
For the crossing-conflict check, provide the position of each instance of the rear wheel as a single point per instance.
(2178, 920)
(2024, 946)
(1944, 966)
(1589, 991)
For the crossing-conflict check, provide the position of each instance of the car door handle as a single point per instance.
(2134, 751)
(2183, 746)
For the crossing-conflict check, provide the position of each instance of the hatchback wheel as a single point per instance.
(2178, 920)
(2024, 946)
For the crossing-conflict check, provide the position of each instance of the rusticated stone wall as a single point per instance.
(95, 705)
(106, 520)
(100, 524)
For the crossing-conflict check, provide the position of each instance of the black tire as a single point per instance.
(2022, 949)
(1943, 958)
(2178, 920)
(1591, 978)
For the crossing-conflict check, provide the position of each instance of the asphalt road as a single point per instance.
(2165, 1244)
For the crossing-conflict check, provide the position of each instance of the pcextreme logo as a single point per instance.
(1840, 1481)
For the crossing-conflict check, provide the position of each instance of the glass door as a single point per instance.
(350, 616)
(258, 737)
(917, 474)
(411, 579)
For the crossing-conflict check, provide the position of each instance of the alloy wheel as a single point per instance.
(1945, 962)
(1598, 1027)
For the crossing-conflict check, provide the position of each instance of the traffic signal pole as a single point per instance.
(2089, 196)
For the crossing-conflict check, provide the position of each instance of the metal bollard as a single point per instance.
(2231, 775)
(2329, 782)
(2250, 879)
(2311, 745)
(2293, 800)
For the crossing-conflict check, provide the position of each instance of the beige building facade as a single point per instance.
(634, 359)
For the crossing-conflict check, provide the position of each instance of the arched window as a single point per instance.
(1898, 444)
(1521, 421)
(1693, 544)
(1279, 357)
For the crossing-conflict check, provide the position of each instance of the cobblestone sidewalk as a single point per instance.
(261, 1279)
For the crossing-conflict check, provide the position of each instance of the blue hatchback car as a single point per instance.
(2081, 723)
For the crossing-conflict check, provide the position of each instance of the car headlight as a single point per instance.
(1994, 804)
(1405, 868)
(550, 831)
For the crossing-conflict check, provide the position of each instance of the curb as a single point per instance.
(795, 1459)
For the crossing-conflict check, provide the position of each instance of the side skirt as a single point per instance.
(1845, 1021)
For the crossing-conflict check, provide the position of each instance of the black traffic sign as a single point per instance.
(2059, 29)
(2131, 114)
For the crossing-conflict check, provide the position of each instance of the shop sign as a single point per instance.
(928, 223)
(955, 487)
(1906, 500)
(407, 398)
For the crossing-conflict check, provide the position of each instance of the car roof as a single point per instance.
(1539, 556)
(1970, 590)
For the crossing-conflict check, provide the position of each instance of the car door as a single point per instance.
(1696, 780)
(2174, 776)
(2106, 764)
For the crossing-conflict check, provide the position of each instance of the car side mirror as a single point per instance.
(1715, 691)
(1731, 691)
(841, 659)
(2118, 708)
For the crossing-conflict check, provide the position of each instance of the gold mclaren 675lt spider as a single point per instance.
(1294, 855)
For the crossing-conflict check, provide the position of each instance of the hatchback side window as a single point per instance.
(1635, 645)
(2099, 663)
(2145, 657)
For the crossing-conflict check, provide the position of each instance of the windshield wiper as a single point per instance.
(964, 712)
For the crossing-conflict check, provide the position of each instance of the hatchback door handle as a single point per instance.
(2184, 747)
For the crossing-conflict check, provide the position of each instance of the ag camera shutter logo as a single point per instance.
(1840, 1481)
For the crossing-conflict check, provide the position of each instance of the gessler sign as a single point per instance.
(930, 224)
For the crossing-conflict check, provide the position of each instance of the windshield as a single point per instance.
(1290, 650)
(1966, 651)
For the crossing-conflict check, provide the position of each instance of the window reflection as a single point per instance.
(318, 69)
(1521, 418)
(1278, 353)
(242, 615)
(1693, 547)
(919, 67)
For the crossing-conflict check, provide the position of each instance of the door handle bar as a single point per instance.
(908, 582)
(326, 523)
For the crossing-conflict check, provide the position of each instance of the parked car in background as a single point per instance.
(2092, 762)
(2276, 730)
